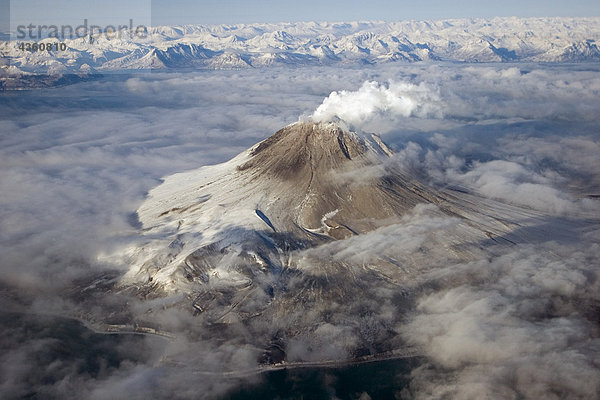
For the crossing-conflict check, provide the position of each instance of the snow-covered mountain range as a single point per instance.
(313, 43)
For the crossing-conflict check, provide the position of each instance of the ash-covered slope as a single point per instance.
(329, 181)
(307, 184)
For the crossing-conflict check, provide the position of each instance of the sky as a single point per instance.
(176, 12)
(231, 11)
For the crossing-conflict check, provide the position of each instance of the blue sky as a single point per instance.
(228, 11)
(173, 12)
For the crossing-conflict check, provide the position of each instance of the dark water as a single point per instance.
(379, 380)
(43, 357)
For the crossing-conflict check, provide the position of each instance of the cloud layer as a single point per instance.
(518, 323)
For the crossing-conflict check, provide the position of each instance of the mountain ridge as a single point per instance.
(311, 43)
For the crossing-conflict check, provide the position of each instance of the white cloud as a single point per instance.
(512, 183)
(517, 326)
(374, 100)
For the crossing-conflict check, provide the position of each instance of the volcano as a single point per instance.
(308, 184)
(314, 228)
